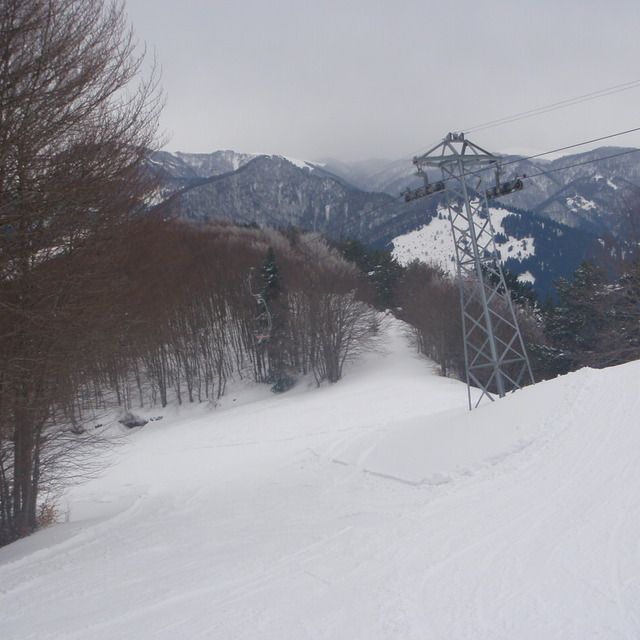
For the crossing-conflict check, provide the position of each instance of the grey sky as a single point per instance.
(378, 78)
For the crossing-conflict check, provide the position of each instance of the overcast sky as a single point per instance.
(354, 79)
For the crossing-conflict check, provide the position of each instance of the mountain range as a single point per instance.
(567, 206)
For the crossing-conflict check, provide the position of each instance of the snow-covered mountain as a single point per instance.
(206, 165)
(583, 191)
(377, 508)
(566, 206)
(271, 191)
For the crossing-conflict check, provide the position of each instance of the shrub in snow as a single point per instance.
(131, 420)
(282, 383)
(48, 513)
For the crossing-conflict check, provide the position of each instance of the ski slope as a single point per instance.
(376, 508)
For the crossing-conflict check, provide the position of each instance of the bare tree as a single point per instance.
(329, 325)
(75, 129)
(430, 304)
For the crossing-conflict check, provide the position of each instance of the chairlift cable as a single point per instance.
(554, 106)
(348, 223)
(569, 102)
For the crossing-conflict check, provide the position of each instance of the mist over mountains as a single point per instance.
(568, 204)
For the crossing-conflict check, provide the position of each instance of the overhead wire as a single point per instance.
(554, 106)
(572, 146)
(594, 95)
(520, 116)
(531, 113)
(580, 164)
(561, 104)
(566, 148)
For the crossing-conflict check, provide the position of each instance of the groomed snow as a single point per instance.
(376, 508)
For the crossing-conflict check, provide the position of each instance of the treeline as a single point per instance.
(595, 321)
(207, 305)
(101, 302)
(171, 316)
(429, 301)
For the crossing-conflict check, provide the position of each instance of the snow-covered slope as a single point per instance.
(376, 508)
(533, 249)
(433, 242)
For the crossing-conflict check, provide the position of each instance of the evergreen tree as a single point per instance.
(620, 339)
(274, 296)
(377, 266)
(272, 281)
(522, 293)
(579, 320)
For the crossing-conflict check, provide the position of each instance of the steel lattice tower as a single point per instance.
(496, 360)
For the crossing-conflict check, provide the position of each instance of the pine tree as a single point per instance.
(274, 296)
(377, 266)
(272, 281)
(579, 320)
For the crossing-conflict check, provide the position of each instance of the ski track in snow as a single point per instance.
(355, 512)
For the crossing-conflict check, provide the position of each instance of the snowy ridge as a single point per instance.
(301, 164)
(376, 508)
(206, 165)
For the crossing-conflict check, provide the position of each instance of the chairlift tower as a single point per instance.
(496, 360)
